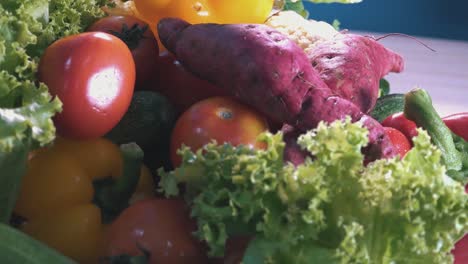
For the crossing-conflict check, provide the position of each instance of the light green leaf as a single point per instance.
(332, 207)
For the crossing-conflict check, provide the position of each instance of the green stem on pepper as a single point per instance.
(454, 150)
(112, 195)
(131, 36)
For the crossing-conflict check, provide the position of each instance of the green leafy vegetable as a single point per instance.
(418, 108)
(332, 208)
(335, 1)
(27, 27)
(336, 24)
(18, 247)
(298, 5)
(384, 87)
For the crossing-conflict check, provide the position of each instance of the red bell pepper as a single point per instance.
(458, 123)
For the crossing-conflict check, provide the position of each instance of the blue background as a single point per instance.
(432, 18)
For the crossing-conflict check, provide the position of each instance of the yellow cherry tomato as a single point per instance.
(241, 11)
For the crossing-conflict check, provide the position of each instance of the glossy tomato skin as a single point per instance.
(160, 226)
(217, 118)
(399, 140)
(403, 124)
(140, 41)
(180, 86)
(93, 74)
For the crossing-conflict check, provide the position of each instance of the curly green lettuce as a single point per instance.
(332, 209)
(27, 27)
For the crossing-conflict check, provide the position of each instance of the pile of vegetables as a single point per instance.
(189, 131)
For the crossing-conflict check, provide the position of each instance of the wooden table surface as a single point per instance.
(443, 73)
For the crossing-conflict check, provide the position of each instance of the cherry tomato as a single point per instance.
(218, 118)
(162, 227)
(182, 88)
(399, 140)
(241, 11)
(93, 74)
(401, 123)
(139, 39)
(458, 123)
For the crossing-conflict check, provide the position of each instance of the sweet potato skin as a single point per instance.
(278, 88)
(293, 153)
(352, 66)
(263, 68)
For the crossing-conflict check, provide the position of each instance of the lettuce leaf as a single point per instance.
(332, 208)
(27, 27)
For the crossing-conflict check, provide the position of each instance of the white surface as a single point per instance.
(444, 73)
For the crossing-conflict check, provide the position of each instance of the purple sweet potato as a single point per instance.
(293, 153)
(352, 66)
(263, 68)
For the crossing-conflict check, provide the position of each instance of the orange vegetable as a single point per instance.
(57, 193)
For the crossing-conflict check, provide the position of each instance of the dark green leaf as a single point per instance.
(259, 250)
(384, 87)
(12, 167)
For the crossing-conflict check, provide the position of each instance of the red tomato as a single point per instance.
(400, 141)
(162, 227)
(180, 86)
(218, 118)
(93, 74)
(401, 123)
(139, 39)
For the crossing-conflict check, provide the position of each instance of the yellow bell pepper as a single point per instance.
(69, 189)
(199, 11)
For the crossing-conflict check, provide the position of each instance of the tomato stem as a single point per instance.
(131, 36)
(112, 195)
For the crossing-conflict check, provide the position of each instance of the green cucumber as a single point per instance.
(388, 105)
(148, 121)
(19, 248)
